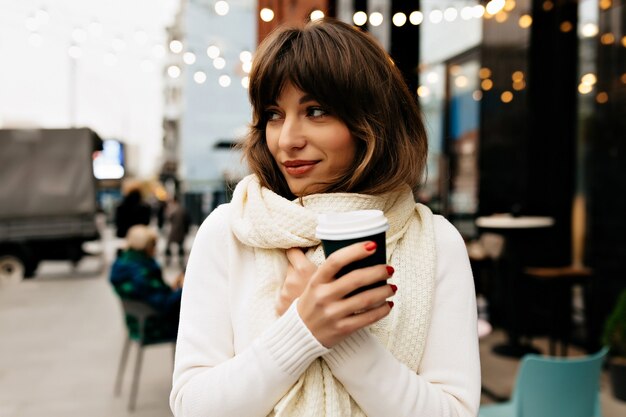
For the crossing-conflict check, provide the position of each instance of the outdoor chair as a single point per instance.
(553, 387)
(142, 324)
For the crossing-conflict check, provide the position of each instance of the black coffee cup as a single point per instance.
(338, 230)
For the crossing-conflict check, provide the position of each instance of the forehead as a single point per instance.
(291, 93)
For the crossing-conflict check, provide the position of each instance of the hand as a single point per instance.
(299, 271)
(178, 282)
(331, 317)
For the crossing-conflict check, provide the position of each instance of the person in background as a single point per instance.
(131, 211)
(179, 222)
(265, 328)
(136, 275)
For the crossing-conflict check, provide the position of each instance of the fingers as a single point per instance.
(299, 271)
(366, 318)
(300, 263)
(362, 277)
(342, 257)
(329, 329)
(364, 301)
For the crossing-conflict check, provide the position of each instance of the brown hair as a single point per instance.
(352, 77)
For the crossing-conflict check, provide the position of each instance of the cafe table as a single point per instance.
(519, 233)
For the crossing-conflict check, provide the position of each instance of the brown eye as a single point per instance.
(271, 115)
(316, 112)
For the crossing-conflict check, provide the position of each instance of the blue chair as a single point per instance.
(144, 330)
(553, 387)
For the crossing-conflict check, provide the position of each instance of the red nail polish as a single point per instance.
(390, 304)
(390, 270)
(370, 246)
(394, 288)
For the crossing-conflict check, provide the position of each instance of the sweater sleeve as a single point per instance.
(210, 378)
(447, 383)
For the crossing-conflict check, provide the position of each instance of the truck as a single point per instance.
(48, 198)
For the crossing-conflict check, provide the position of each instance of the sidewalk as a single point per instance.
(62, 335)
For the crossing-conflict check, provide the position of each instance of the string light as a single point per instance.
(222, 8)
(467, 13)
(399, 19)
(189, 58)
(176, 46)
(376, 19)
(450, 14)
(213, 51)
(359, 18)
(494, 6)
(224, 80)
(589, 30)
(245, 56)
(173, 71)
(435, 16)
(267, 15)
(416, 18)
(199, 77)
(506, 97)
(74, 52)
(219, 62)
(317, 14)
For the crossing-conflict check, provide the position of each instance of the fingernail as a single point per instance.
(394, 288)
(390, 270)
(390, 304)
(370, 246)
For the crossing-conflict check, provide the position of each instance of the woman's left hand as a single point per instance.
(299, 271)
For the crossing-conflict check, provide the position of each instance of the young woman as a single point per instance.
(265, 327)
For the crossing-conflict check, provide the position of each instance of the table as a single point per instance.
(517, 231)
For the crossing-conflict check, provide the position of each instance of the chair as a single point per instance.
(556, 286)
(553, 387)
(144, 317)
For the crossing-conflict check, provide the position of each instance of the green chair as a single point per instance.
(553, 387)
(142, 323)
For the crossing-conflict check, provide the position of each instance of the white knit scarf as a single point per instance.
(270, 224)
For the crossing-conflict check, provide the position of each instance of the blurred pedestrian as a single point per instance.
(131, 211)
(136, 275)
(179, 222)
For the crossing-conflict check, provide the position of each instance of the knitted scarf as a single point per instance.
(270, 224)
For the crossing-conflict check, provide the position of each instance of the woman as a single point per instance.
(265, 328)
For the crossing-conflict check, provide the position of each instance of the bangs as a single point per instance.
(313, 61)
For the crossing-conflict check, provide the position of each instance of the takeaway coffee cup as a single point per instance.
(337, 230)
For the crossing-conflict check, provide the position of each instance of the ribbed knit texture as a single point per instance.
(270, 224)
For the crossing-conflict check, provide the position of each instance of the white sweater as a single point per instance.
(222, 371)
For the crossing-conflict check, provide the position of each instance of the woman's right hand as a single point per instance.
(327, 314)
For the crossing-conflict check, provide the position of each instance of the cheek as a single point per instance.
(271, 142)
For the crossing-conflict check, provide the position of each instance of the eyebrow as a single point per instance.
(306, 98)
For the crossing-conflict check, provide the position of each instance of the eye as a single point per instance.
(271, 115)
(316, 112)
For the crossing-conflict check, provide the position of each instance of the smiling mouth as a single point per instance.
(299, 167)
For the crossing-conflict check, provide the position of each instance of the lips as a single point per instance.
(299, 167)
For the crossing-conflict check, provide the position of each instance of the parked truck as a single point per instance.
(48, 197)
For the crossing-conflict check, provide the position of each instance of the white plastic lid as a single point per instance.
(350, 224)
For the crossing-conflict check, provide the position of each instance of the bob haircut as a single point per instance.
(354, 79)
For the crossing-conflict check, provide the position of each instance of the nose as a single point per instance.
(292, 135)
